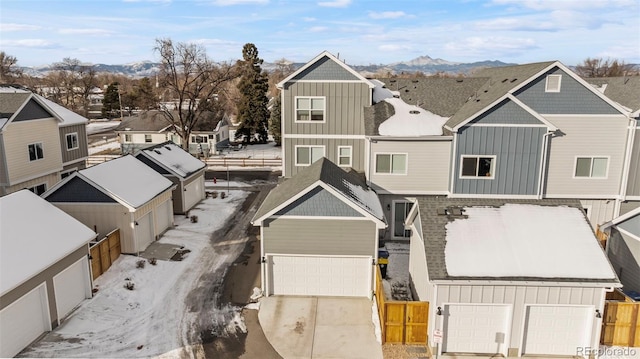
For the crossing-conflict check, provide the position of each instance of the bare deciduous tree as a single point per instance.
(188, 77)
(71, 83)
(9, 72)
(598, 67)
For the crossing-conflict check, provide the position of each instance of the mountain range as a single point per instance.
(424, 64)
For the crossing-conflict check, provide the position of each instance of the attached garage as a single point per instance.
(71, 287)
(24, 321)
(476, 328)
(557, 330)
(318, 275)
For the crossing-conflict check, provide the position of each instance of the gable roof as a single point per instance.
(614, 222)
(173, 158)
(623, 90)
(125, 179)
(150, 121)
(346, 185)
(324, 56)
(34, 234)
(436, 232)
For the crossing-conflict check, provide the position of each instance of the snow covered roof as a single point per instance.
(127, 180)
(514, 240)
(173, 158)
(34, 234)
(325, 173)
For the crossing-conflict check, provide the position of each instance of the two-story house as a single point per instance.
(40, 141)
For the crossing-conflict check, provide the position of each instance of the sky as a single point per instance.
(361, 32)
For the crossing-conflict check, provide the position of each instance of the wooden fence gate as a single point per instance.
(105, 252)
(621, 324)
(401, 322)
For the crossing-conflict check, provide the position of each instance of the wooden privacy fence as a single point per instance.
(104, 252)
(621, 324)
(401, 322)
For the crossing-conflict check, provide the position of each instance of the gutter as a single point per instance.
(543, 163)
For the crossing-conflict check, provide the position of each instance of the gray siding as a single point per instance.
(326, 69)
(573, 97)
(82, 151)
(319, 202)
(507, 112)
(31, 111)
(518, 153)
(631, 225)
(319, 236)
(633, 186)
(331, 152)
(344, 104)
(624, 254)
(4, 177)
(76, 190)
(626, 207)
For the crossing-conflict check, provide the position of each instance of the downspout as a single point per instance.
(282, 125)
(543, 163)
(368, 161)
(626, 166)
(454, 155)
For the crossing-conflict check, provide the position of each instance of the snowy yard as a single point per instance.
(396, 284)
(155, 318)
(101, 126)
(266, 150)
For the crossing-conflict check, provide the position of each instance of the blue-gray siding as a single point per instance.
(78, 191)
(319, 202)
(573, 97)
(325, 69)
(31, 111)
(631, 225)
(144, 159)
(507, 112)
(518, 151)
(633, 184)
(624, 255)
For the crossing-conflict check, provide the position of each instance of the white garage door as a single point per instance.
(71, 287)
(312, 275)
(164, 216)
(194, 193)
(474, 328)
(144, 232)
(557, 330)
(23, 321)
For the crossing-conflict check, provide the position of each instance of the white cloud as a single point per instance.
(567, 4)
(85, 32)
(394, 47)
(309, 19)
(491, 46)
(335, 3)
(35, 43)
(152, 1)
(240, 2)
(517, 24)
(387, 14)
(18, 27)
(318, 29)
(213, 42)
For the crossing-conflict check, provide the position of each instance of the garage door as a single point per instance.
(144, 231)
(557, 330)
(194, 192)
(23, 322)
(314, 275)
(164, 216)
(478, 329)
(71, 287)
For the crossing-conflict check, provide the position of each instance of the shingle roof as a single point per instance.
(347, 183)
(173, 158)
(434, 231)
(152, 121)
(10, 102)
(623, 90)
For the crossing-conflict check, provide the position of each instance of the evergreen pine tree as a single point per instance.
(275, 121)
(111, 101)
(253, 114)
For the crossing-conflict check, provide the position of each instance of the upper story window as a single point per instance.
(72, 141)
(127, 138)
(591, 167)
(35, 151)
(310, 109)
(147, 138)
(344, 156)
(478, 167)
(553, 83)
(306, 155)
(391, 163)
(39, 189)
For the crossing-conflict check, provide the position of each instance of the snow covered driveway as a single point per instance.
(171, 303)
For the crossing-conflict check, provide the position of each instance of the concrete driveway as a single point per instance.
(319, 327)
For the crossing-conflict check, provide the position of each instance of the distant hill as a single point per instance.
(424, 64)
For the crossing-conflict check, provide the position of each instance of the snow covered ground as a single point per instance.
(100, 126)
(111, 145)
(396, 284)
(267, 150)
(153, 319)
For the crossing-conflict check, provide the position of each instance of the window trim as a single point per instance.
(406, 163)
(295, 109)
(393, 216)
(493, 167)
(36, 152)
(590, 177)
(295, 153)
(546, 85)
(128, 138)
(68, 172)
(150, 138)
(38, 185)
(350, 156)
(75, 134)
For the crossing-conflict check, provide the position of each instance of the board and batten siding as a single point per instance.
(517, 151)
(633, 184)
(17, 137)
(344, 108)
(599, 211)
(585, 137)
(624, 254)
(82, 150)
(428, 167)
(153, 206)
(331, 152)
(282, 235)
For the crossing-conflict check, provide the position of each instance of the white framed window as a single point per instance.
(127, 138)
(344, 156)
(591, 167)
(391, 163)
(553, 83)
(38, 189)
(306, 155)
(309, 109)
(72, 141)
(400, 212)
(481, 167)
(147, 138)
(35, 151)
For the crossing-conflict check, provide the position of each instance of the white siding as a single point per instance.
(599, 211)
